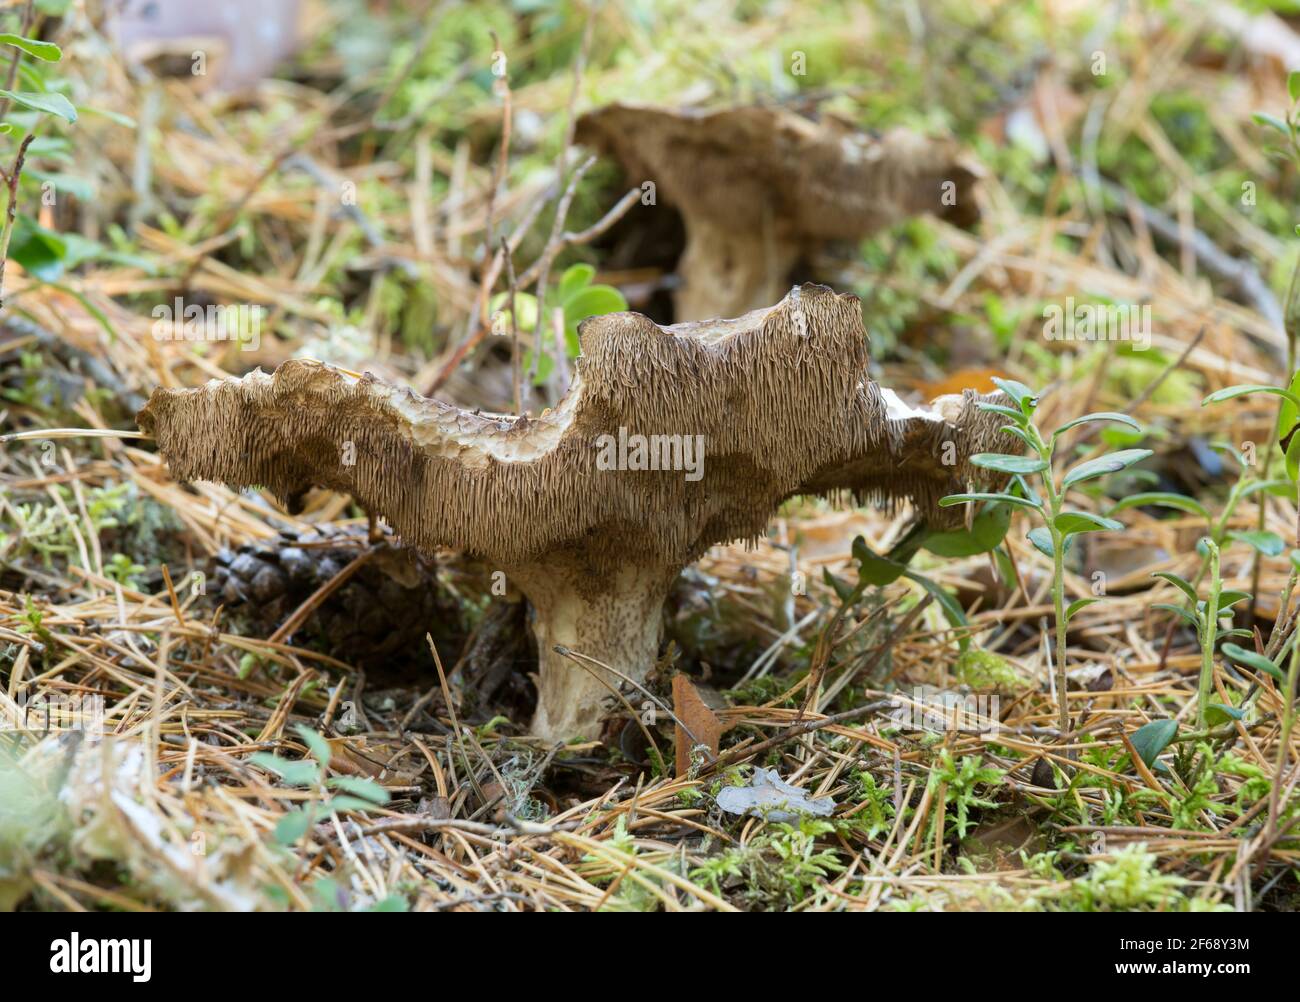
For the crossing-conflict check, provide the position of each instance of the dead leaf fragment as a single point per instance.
(693, 709)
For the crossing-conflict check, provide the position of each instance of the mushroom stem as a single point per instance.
(728, 270)
(615, 619)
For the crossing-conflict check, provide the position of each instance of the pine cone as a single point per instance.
(376, 620)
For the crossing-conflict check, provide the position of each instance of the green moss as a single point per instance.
(986, 670)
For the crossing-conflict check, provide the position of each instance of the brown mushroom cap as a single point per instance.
(772, 182)
(780, 398)
(781, 413)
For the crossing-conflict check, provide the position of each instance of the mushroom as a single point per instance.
(760, 186)
(669, 440)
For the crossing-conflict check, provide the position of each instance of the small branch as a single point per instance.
(515, 361)
(553, 245)
(11, 186)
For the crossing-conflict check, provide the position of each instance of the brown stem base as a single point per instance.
(614, 618)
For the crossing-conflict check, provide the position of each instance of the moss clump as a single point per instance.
(985, 670)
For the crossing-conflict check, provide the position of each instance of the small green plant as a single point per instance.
(1203, 616)
(1218, 530)
(1129, 881)
(985, 670)
(877, 811)
(123, 570)
(578, 299)
(960, 782)
(38, 250)
(986, 533)
(778, 868)
(356, 794)
(1060, 524)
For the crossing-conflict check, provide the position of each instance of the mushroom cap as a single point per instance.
(779, 400)
(760, 167)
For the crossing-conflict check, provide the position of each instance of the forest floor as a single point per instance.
(278, 733)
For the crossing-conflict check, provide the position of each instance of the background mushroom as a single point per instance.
(759, 186)
(779, 402)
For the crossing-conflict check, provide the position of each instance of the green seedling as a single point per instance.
(1059, 523)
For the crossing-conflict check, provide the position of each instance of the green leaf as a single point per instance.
(1153, 738)
(1114, 416)
(319, 747)
(1181, 613)
(1181, 583)
(1290, 443)
(1078, 604)
(1254, 661)
(873, 569)
(1007, 464)
(952, 609)
(1026, 490)
(1006, 566)
(1021, 434)
(1246, 389)
(41, 252)
(359, 787)
(575, 278)
(50, 104)
(1293, 85)
(47, 51)
(1024, 397)
(841, 588)
(952, 499)
(1270, 544)
(1284, 489)
(1217, 713)
(987, 530)
(293, 826)
(1288, 423)
(302, 773)
(1041, 537)
(525, 310)
(1229, 598)
(1272, 121)
(1071, 522)
(1099, 467)
(1165, 499)
(592, 301)
(1005, 411)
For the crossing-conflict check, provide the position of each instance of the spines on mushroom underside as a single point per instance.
(779, 404)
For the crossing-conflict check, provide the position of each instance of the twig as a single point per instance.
(11, 208)
(553, 248)
(514, 327)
